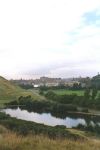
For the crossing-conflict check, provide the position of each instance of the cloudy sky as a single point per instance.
(56, 38)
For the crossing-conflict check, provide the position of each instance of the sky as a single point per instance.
(55, 38)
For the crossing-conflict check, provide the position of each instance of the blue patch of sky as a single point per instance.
(90, 18)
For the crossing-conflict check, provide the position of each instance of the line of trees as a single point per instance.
(90, 99)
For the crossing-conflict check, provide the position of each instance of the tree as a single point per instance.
(94, 93)
(87, 93)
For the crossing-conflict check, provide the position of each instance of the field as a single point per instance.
(64, 91)
(11, 141)
(69, 92)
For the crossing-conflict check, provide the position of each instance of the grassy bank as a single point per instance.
(11, 141)
(24, 128)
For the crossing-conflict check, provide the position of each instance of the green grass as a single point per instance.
(69, 92)
(9, 92)
(64, 91)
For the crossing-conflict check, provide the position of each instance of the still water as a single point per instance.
(47, 118)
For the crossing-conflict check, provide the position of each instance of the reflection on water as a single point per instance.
(46, 118)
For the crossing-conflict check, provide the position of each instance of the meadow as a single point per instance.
(69, 92)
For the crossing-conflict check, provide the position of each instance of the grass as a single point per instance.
(69, 92)
(9, 92)
(11, 141)
(63, 92)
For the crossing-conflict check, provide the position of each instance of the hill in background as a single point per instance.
(9, 91)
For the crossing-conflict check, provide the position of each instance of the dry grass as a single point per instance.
(11, 141)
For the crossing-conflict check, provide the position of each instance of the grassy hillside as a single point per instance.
(11, 141)
(9, 92)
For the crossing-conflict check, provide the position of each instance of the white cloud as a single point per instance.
(37, 34)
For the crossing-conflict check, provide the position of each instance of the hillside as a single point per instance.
(9, 92)
(11, 141)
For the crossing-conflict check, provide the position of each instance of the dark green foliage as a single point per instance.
(23, 127)
(75, 86)
(87, 93)
(50, 106)
(90, 128)
(13, 104)
(41, 92)
(94, 93)
(63, 99)
(89, 100)
(96, 82)
(26, 127)
(51, 95)
(26, 86)
(85, 110)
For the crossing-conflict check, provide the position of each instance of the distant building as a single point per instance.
(52, 84)
(71, 83)
(46, 81)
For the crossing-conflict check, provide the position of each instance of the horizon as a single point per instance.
(57, 38)
(50, 77)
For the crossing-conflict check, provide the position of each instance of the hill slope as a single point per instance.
(10, 140)
(9, 92)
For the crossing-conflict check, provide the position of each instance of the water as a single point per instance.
(48, 119)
